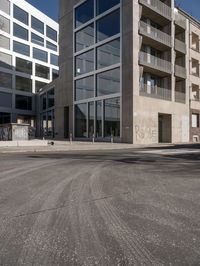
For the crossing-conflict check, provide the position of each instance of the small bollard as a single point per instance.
(70, 138)
(112, 139)
(93, 138)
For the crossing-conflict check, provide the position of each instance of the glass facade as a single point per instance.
(21, 48)
(23, 102)
(54, 59)
(97, 94)
(5, 80)
(39, 85)
(37, 25)
(20, 14)
(37, 39)
(42, 71)
(51, 33)
(51, 46)
(20, 32)
(23, 84)
(40, 55)
(23, 66)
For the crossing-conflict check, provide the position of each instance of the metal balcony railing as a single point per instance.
(158, 7)
(180, 46)
(180, 71)
(180, 97)
(180, 20)
(155, 62)
(155, 92)
(155, 34)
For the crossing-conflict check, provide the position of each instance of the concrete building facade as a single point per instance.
(28, 59)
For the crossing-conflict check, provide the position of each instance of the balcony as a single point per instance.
(180, 97)
(180, 20)
(154, 62)
(155, 92)
(155, 34)
(180, 46)
(159, 7)
(180, 71)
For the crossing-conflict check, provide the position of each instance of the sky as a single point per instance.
(50, 7)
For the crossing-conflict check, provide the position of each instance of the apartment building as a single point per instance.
(28, 59)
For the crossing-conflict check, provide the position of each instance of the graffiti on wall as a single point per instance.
(146, 133)
(5, 133)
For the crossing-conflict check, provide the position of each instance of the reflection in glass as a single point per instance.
(37, 39)
(23, 65)
(85, 63)
(108, 82)
(85, 37)
(84, 12)
(84, 88)
(20, 14)
(103, 5)
(51, 33)
(37, 25)
(39, 85)
(42, 71)
(81, 120)
(40, 55)
(21, 48)
(112, 117)
(99, 119)
(20, 32)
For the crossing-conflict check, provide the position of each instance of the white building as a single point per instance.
(28, 59)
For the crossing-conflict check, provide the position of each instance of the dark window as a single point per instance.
(37, 25)
(84, 12)
(108, 26)
(23, 84)
(51, 46)
(43, 102)
(20, 15)
(108, 54)
(50, 98)
(108, 82)
(37, 39)
(39, 85)
(85, 63)
(99, 119)
(42, 71)
(90, 119)
(112, 117)
(103, 5)
(55, 74)
(5, 100)
(5, 80)
(20, 32)
(23, 65)
(84, 88)
(51, 33)
(40, 55)
(5, 117)
(54, 59)
(21, 48)
(81, 120)
(23, 102)
(85, 37)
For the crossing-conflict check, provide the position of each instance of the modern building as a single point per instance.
(28, 59)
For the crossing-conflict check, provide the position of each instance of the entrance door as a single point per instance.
(165, 128)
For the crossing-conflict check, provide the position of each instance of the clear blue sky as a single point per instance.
(50, 7)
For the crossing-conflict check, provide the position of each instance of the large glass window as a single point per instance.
(90, 119)
(108, 82)
(23, 84)
(81, 120)
(99, 119)
(37, 25)
(5, 100)
(37, 39)
(20, 14)
(40, 55)
(84, 12)
(85, 63)
(108, 54)
(51, 33)
(23, 65)
(5, 60)
(103, 5)
(20, 32)
(4, 24)
(54, 59)
(23, 102)
(42, 71)
(21, 48)
(39, 85)
(112, 117)
(4, 42)
(51, 46)
(50, 98)
(85, 37)
(5, 6)
(84, 88)
(108, 26)
(55, 74)
(5, 80)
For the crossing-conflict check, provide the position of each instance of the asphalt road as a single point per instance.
(104, 208)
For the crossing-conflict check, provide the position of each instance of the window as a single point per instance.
(5, 6)
(4, 24)
(42, 71)
(37, 39)
(90, 119)
(81, 120)
(51, 46)
(54, 59)
(85, 37)
(4, 117)
(99, 119)
(108, 82)
(43, 102)
(84, 88)
(21, 48)
(5, 42)
(85, 63)
(5, 80)
(5, 60)
(37, 25)
(102, 6)
(84, 12)
(5, 100)
(20, 15)
(39, 85)
(108, 54)
(40, 55)
(112, 117)
(50, 98)
(23, 84)
(195, 120)
(108, 26)
(23, 102)
(20, 32)
(51, 33)
(23, 65)
(55, 74)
